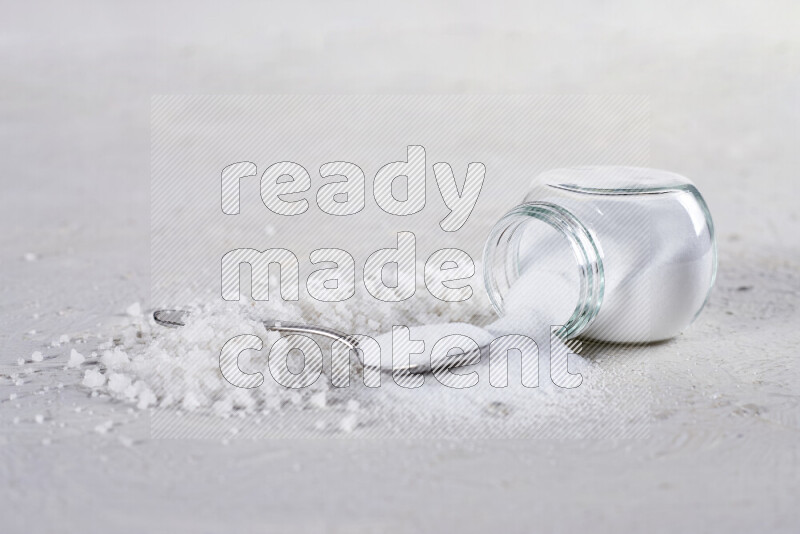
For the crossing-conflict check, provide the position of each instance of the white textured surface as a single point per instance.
(724, 83)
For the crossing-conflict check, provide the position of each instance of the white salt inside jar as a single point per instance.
(617, 254)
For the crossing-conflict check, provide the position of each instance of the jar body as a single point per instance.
(618, 254)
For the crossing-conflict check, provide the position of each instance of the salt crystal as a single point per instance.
(20, 361)
(93, 378)
(63, 339)
(46, 441)
(191, 401)
(103, 428)
(39, 418)
(114, 359)
(222, 408)
(348, 423)
(118, 382)
(37, 356)
(130, 393)
(75, 359)
(12, 396)
(146, 399)
(134, 310)
(30, 256)
(318, 400)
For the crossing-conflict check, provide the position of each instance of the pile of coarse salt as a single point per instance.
(149, 365)
(152, 366)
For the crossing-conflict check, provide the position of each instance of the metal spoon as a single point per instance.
(177, 318)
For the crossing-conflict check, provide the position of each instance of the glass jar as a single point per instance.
(618, 254)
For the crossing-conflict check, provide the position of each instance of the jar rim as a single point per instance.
(584, 246)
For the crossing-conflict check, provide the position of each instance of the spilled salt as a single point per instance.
(118, 383)
(179, 368)
(318, 400)
(114, 359)
(103, 428)
(134, 310)
(348, 423)
(536, 301)
(150, 366)
(93, 379)
(75, 359)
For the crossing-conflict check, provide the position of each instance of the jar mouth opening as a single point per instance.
(502, 266)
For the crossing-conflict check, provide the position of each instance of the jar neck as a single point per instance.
(501, 260)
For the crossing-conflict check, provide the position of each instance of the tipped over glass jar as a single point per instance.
(616, 254)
